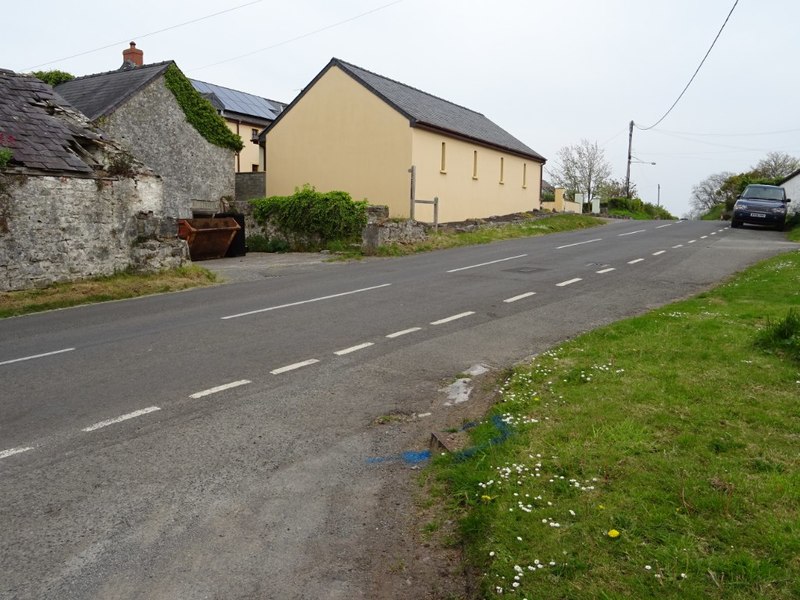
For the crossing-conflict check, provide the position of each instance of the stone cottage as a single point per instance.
(73, 204)
(157, 114)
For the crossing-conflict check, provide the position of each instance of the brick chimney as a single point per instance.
(132, 56)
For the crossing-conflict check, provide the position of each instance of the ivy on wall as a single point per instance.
(199, 111)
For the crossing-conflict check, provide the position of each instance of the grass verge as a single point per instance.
(102, 289)
(485, 235)
(654, 458)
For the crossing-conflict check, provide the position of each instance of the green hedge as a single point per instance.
(328, 216)
(635, 205)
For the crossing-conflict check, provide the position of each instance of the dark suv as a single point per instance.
(761, 204)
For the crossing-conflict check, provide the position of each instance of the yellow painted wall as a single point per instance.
(249, 155)
(462, 196)
(339, 136)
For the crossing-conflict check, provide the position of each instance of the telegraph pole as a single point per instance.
(628, 172)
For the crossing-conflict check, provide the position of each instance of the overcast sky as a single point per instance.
(551, 72)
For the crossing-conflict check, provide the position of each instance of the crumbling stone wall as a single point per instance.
(154, 128)
(66, 228)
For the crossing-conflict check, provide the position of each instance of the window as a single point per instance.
(443, 166)
(474, 164)
(255, 167)
(502, 169)
(254, 134)
(524, 176)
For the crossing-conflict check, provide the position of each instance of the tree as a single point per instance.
(777, 165)
(614, 188)
(583, 169)
(708, 193)
(54, 77)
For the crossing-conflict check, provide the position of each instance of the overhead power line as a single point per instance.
(674, 104)
(138, 37)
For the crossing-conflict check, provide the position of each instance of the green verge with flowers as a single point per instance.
(654, 458)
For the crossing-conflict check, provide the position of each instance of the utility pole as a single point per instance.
(659, 195)
(628, 172)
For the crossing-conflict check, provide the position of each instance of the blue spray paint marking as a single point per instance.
(411, 458)
(415, 458)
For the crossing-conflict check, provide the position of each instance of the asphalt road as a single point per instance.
(216, 443)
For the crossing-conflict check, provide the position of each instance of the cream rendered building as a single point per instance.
(359, 132)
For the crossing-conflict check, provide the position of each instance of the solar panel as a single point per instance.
(239, 102)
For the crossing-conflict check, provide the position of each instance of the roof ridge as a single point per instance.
(411, 87)
(151, 65)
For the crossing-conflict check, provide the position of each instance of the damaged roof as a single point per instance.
(41, 129)
(101, 94)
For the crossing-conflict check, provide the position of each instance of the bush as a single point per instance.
(782, 336)
(635, 205)
(261, 243)
(322, 216)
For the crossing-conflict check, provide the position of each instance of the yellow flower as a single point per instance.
(613, 533)
(486, 499)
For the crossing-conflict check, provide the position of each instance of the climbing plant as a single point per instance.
(199, 111)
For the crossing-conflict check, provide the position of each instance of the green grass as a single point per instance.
(485, 235)
(677, 429)
(630, 214)
(715, 213)
(102, 289)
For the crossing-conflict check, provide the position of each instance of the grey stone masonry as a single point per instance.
(56, 229)
(249, 186)
(152, 125)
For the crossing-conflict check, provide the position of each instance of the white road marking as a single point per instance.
(579, 243)
(568, 282)
(299, 365)
(261, 310)
(691, 241)
(16, 360)
(608, 270)
(632, 232)
(491, 262)
(13, 451)
(713, 233)
(132, 415)
(397, 334)
(635, 260)
(678, 246)
(662, 226)
(353, 348)
(659, 253)
(702, 237)
(453, 318)
(220, 388)
(520, 297)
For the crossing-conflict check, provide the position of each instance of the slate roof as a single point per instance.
(425, 110)
(101, 94)
(41, 129)
(241, 103)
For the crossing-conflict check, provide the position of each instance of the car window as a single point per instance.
(757, 192)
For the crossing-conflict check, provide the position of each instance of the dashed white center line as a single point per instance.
(16, 360)
(568, 282)
(261, 310)
(453, 318)
(491, 262)
(662, 226)
(220, 388)
(702, 237)
(635, 260)
(397, 334)
(299, 365)
(713, 233)
(132, 415)
(659, 253)
(632, 232)
(353, 348)
(13, 451)
(608, 270)
(691, 241)
(579, 243)
(520, 297)
(678, 246)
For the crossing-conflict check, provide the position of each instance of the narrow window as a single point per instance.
(443, 166)
(474, 164)
(524, 176)
(502, 169)
(255, 167)
(254, 134)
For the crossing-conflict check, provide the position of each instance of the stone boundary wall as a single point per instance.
(55, 229)
(249, 186)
